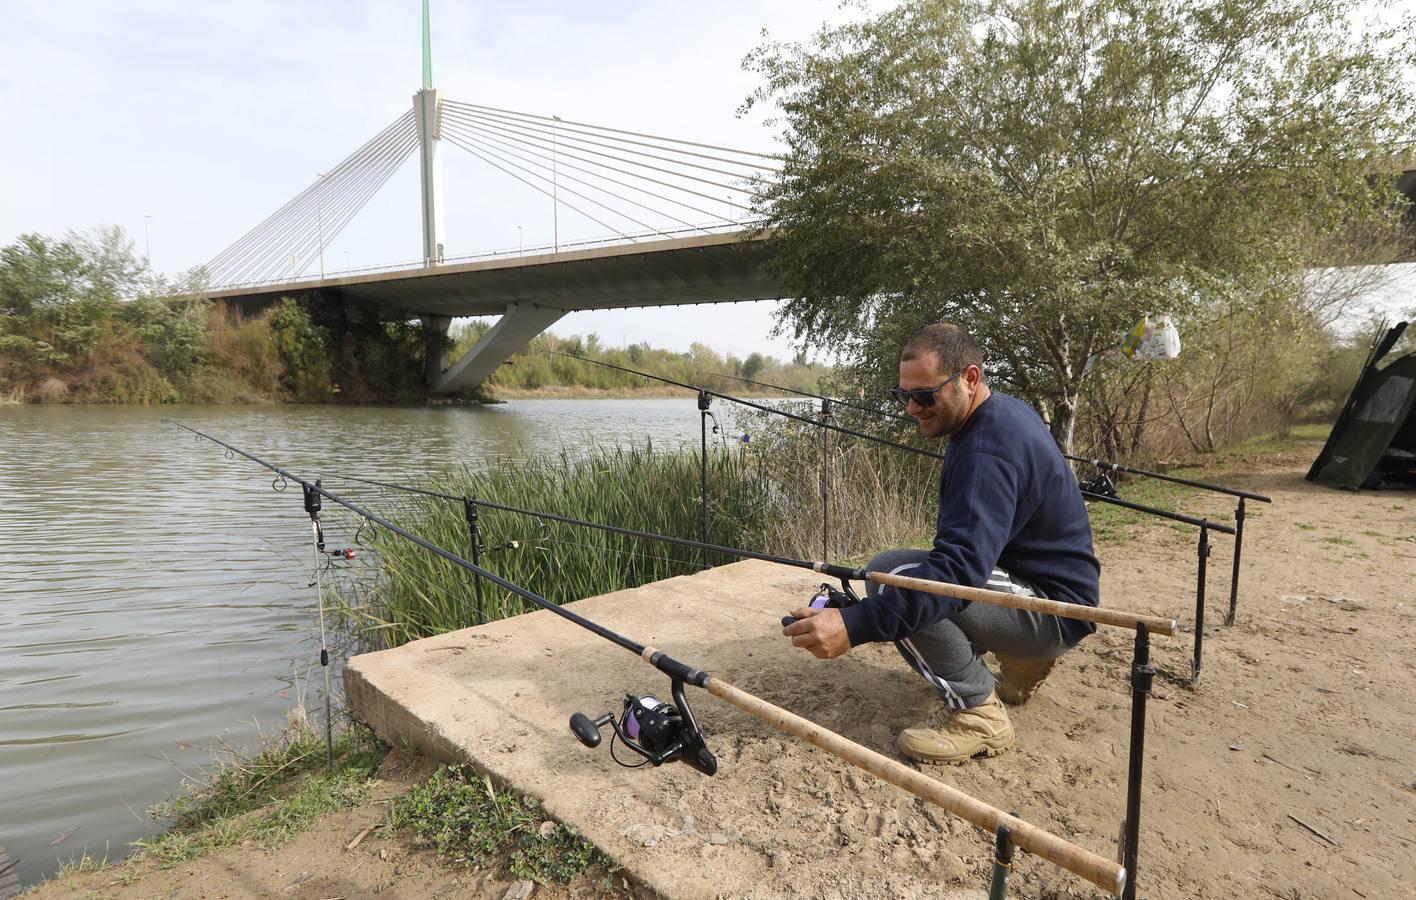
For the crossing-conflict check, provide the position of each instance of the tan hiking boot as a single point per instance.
(951, 737)
(1019, 679)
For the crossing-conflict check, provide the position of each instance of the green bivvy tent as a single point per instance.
(1373, 444)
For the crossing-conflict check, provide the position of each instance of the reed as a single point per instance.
(417, 594)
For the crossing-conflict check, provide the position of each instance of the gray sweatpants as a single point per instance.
(949, 653)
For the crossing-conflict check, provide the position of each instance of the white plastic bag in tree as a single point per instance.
(1152, 338)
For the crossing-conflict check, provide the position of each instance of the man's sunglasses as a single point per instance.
(922, 396)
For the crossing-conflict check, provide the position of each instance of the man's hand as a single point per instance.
(822, 631)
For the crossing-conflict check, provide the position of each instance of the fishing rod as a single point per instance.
(1098, 463)
(1156, 624)
(686, 739)
(704, 392)
(833, 400)
(683, 738)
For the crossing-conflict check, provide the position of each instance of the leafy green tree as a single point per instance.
(753, 366)
(304, 348)
(1045, 173)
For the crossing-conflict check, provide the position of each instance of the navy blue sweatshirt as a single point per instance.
(1007, 498)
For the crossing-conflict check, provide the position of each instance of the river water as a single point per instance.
(153, 594)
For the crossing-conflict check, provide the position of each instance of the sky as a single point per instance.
(188, 123)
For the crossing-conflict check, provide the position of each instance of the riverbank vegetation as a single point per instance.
(550, 362)
(82, 320)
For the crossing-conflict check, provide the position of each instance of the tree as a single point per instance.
(753, 366)
(1046, 173)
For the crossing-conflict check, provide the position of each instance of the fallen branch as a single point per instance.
(1314, 830)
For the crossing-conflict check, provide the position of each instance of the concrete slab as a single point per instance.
(779, 819)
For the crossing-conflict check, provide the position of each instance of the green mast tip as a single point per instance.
(427, 50)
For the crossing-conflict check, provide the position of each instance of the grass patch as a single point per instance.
(1109, 521)
(270, 798)
(1279, 441)
(1340, 541)
(1306, 526)
(464, 817)
(81, 864)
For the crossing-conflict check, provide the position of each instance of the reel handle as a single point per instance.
(587, 730)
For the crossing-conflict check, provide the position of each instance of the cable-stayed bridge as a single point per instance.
(679, 214)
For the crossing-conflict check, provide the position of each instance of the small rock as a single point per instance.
(1236, 746)
(718, 838)
(646, 835)
(689, 826)
(547, 828)
(519, 891)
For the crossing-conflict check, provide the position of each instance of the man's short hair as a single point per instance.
(954, 347)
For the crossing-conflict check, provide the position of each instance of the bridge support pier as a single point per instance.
(434, 346)
(518, 325)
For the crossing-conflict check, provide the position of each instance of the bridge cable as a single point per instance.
(560, 181)
(553, 197)
(350, 177)
(227, 256)
(267, 252)
(507, 144)
(538, 134)
(350, 196)
(562, 123)
(305, 229)
(347, 175)
(353, 160)
(557, 153)
(480, 141)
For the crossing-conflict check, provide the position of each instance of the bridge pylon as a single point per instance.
(427, 111)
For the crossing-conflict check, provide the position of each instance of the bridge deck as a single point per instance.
(711, 268)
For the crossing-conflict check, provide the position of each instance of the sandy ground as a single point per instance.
(1289, 772)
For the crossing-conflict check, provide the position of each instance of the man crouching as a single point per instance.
(1011, 518)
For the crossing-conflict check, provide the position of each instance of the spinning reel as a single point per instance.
(658, 731)
(827, 597)
(1100, 483)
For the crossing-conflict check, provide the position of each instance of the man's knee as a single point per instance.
(889, 561)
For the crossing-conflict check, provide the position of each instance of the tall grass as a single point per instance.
(420, 594)
(875, 496)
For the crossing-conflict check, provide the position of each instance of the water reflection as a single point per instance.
(153, 594)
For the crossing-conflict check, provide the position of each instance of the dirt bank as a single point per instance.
(1289, 772)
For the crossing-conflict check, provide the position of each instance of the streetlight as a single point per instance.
(520, 244)
(147, 232)
(319, 218)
